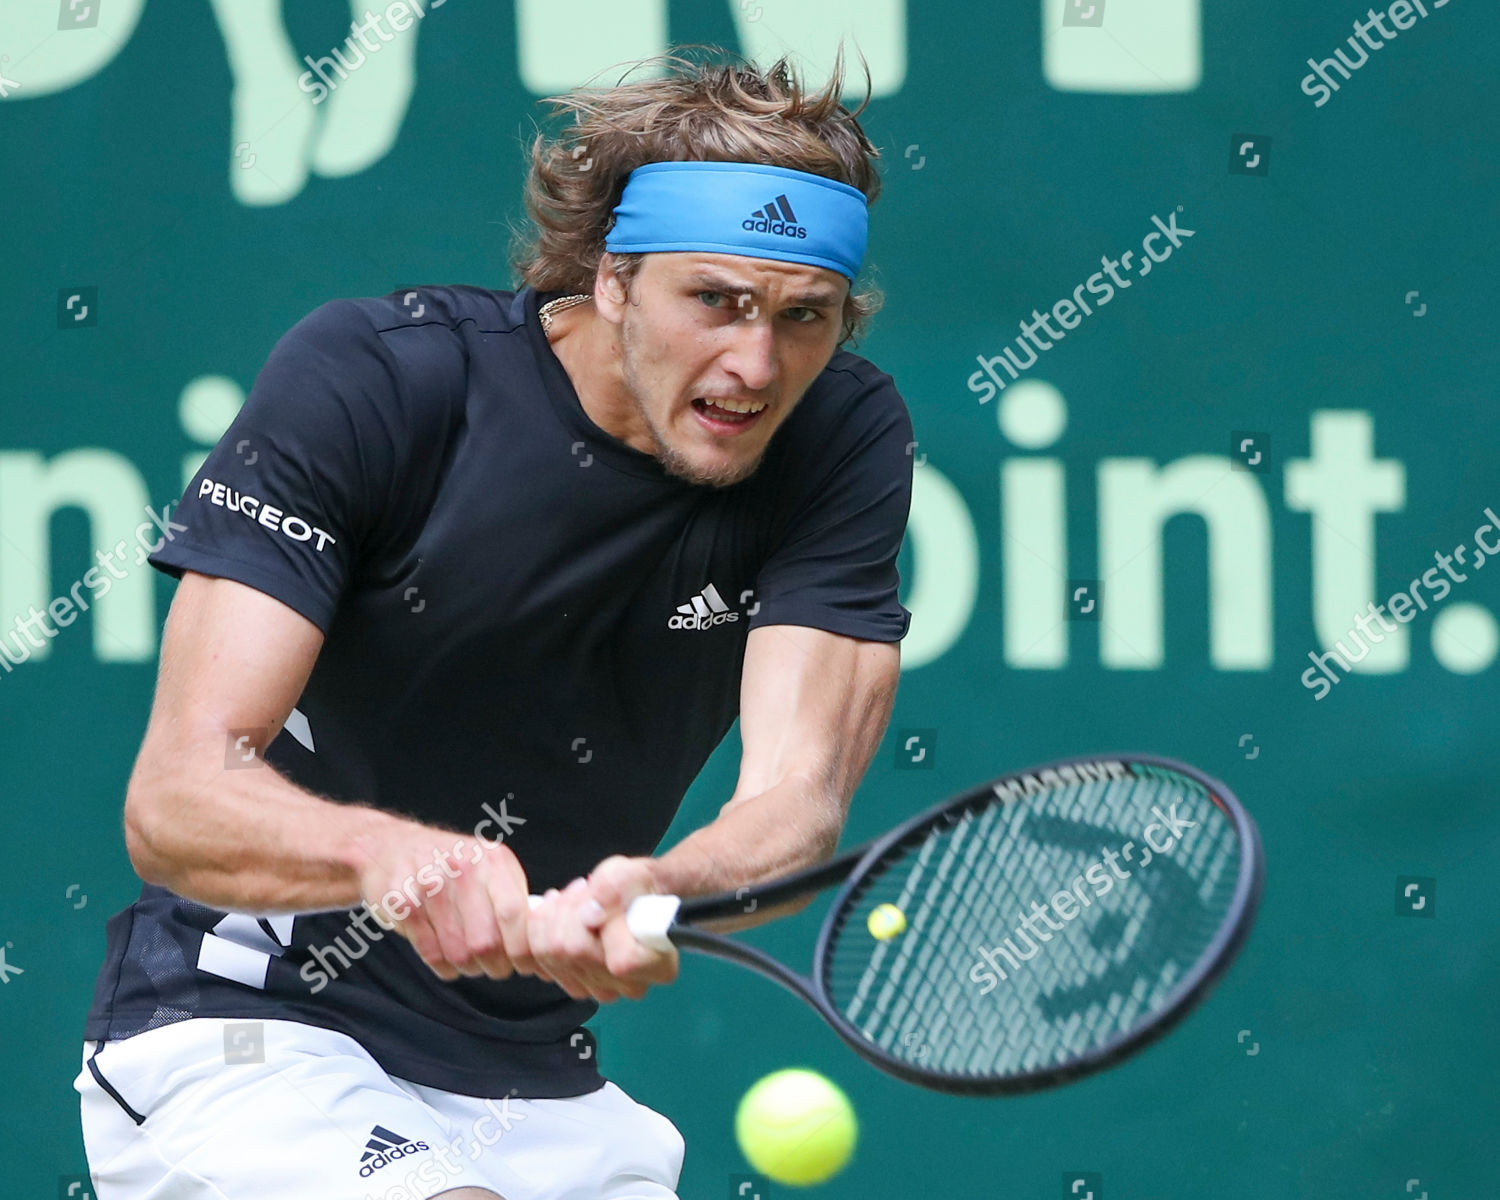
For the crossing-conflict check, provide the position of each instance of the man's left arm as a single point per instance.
(814, 706)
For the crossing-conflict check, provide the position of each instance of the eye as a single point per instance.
(718, 295)
(815, 315)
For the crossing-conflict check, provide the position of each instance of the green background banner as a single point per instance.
(1133, 544)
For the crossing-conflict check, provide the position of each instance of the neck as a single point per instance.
(589, 351)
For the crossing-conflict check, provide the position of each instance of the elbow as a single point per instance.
(821, 850)
(833, 812)
(143, 826)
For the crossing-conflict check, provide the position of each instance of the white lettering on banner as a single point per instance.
(1342, 484)
(276, 144)
(1116, 48)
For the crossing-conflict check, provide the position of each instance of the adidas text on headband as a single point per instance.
(742, 208)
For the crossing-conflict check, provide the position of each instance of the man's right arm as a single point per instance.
(249, 840)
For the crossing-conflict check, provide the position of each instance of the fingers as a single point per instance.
(400, 909)
(618, 880)
(579, 940)
(616, 883)
(636, 965)
(506, 884)
(459, 911)
(468, 915)
(539, 939)
(564, 946)
(471, 917)
(483, 943)
(418, 930)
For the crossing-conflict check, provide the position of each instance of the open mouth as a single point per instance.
(722, 414)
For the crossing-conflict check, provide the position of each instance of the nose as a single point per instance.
(752, 356)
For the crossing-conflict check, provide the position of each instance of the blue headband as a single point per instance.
(742, 208)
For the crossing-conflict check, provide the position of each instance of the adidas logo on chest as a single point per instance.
(703, 611)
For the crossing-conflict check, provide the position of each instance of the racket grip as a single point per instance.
(649, 918)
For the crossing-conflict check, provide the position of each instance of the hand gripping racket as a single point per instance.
(1026, 933)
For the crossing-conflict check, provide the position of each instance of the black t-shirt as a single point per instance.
(525, 619)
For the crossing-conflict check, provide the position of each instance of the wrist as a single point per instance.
(656, 883)
(365, 840)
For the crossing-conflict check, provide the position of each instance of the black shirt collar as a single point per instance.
(564, 399)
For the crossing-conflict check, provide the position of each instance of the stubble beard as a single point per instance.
(673, 461)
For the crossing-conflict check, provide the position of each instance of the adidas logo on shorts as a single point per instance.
(703, 611)
(776, 217)
(384, 1148)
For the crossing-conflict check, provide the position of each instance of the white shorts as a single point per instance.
(316, 1118)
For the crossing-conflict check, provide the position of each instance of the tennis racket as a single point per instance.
(1031, 931)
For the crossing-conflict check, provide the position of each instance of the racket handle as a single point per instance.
(649, 918)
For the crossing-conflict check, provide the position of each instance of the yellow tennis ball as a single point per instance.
(795, 1126)
(886, 922)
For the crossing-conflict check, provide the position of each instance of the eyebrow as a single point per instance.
(816, 298)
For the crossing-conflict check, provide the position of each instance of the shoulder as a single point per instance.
(848, 369)
(436, 310)
(426, 327)
(403, 358)
(851, 409)
(853, 398)
(845, 450)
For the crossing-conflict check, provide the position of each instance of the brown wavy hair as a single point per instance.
(690, 112)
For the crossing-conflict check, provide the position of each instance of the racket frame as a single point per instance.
(853, 865)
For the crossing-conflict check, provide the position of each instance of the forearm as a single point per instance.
(788, 827)
(248, 840)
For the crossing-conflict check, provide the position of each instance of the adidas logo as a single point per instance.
(384, 1148)
(703, 611)
(776, 217)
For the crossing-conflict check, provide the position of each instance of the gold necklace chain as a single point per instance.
(552, 307)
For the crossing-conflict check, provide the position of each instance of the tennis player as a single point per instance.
(470, 590)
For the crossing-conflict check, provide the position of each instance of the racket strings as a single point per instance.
(997, 971)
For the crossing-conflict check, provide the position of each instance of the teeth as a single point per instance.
(739, 406)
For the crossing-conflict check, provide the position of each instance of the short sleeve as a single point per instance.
(836, 567)
(286, 498)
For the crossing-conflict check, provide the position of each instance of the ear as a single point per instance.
(610, 292)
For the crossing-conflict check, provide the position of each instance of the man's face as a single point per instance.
(717, 349)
